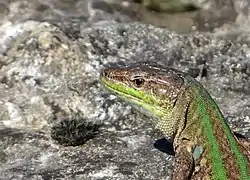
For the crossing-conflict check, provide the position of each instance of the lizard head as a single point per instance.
(149, 86)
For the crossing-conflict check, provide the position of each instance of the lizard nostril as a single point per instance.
(104, 74)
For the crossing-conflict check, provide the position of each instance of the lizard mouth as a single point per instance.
(135, 97)
(119, 89)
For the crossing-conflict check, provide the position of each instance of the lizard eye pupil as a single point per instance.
(139, 82)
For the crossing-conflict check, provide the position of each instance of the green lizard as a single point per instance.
(205, 147)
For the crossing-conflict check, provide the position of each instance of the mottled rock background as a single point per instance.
(56, 121)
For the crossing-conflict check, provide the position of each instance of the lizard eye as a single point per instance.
(138, 82)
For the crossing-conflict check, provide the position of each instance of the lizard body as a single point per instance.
(205, 147)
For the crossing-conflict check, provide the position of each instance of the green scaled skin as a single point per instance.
(205, 147)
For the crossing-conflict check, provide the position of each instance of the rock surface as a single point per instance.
(51, 54)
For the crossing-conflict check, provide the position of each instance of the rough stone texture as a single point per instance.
(203, 15)
(50, 58)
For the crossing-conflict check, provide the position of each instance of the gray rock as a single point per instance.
(183, 15)
(49, 82)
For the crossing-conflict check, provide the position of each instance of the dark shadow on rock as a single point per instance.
(11, 132)
(239, 136)
(165, 146)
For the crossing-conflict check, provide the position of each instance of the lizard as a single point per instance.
(205, 147)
